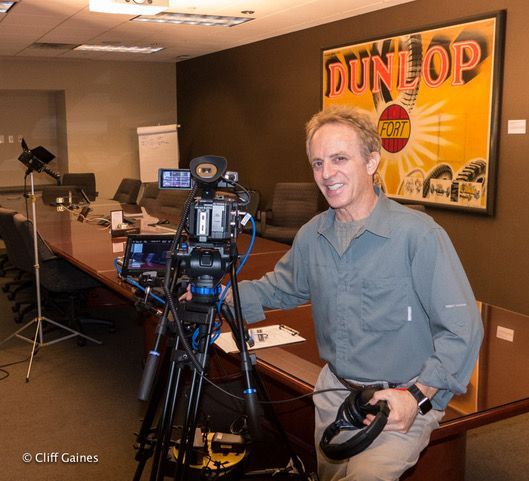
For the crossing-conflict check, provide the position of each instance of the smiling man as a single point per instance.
(391, 304)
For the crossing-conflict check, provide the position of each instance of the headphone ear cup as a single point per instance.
(356, 407)
(352, 411)
(360, 441)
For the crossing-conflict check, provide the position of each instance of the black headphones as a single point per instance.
(350, 417)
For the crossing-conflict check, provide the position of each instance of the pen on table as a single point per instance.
(289, 329)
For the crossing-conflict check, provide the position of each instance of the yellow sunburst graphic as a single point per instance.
(428, 141)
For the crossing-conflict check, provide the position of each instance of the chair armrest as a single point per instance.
(50, 258)
(265, 219)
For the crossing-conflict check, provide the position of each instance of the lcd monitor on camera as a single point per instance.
(146, 253)
(174, 179)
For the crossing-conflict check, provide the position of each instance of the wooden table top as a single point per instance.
(499, 386)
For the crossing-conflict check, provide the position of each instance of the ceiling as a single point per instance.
(51, 28)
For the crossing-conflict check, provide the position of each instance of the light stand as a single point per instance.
(34, 163)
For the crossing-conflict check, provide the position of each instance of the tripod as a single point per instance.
(38, 339)
(156, 441)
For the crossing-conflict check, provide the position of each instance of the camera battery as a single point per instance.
(227, 443)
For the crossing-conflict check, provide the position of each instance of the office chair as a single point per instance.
(85, 181)
(170, 203)
(253, 206)
(293, 204)
(20, 289)
(128, 190)
(149, 198)
(60, 280)
(418, 207)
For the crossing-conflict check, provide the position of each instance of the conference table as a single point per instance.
(499, 386)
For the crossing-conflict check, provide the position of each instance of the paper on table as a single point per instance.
(266, 336)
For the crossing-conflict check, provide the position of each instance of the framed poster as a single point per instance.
(435, 94)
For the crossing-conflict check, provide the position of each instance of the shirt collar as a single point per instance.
(377, 222)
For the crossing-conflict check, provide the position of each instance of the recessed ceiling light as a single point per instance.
(5, 6)
(129, 7)
(118, 48)
(193, 19)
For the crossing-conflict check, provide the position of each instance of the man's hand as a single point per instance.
(403, 409)
(188, 296)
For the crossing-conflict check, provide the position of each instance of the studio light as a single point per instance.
(118, 48)
(194, 19)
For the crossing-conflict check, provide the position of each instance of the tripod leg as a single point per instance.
(190, 423)
(165, 426)
(188, 429)
(272, 416)
(144, 440)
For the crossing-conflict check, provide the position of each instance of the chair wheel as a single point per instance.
(81, 341)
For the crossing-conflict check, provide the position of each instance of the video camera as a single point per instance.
(214, 215)
(212, 220)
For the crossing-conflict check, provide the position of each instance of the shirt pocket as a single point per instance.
(385, 303)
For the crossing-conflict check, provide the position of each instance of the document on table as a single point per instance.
(266, 336)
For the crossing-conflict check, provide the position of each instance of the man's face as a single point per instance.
(341, 172)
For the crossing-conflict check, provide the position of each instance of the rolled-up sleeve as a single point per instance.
(455, 323)
(283, 288)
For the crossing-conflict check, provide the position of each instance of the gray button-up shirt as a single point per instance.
(396, 305)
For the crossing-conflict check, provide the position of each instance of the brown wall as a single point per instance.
(250, 104)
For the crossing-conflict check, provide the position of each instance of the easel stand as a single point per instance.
(38, 339)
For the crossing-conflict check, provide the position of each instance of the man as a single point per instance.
(390, 301)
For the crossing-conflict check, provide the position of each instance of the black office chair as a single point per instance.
(149, 198)
(293, 204)
(61, 281)
(253, 206)
(21, 288)
(418, 207)
(170, 203)
(127, 192)
(85, 181)
(6, 266)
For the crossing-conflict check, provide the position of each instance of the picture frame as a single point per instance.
(435, 94)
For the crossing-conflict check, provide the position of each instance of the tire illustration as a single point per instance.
(406, 98)
(442, 171)
(413, 44)
(414, 180)
(379, 182)
(474, 171)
